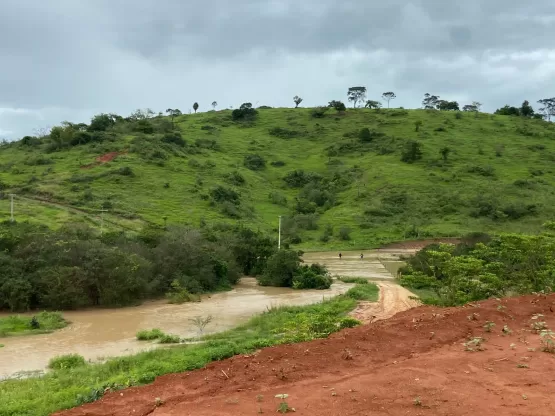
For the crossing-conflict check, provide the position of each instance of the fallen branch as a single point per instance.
(225, 374)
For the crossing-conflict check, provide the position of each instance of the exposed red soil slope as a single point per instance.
(108, 157)
(376, 369)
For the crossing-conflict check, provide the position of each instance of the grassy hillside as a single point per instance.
(497, 174)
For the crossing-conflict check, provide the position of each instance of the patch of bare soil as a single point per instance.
(424, 361)
(393, 299)
(108, 157)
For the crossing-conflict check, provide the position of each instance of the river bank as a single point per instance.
(66, 388)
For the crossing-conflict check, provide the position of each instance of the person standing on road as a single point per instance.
(339, 256)
(361, 256)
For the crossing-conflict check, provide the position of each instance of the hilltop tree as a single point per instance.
(244, 112)
(507, 110)
(430, 101)
(469, 108)
(526, 109)
(373, 104)
(214, 105)
(388, 96)
(297, 100)
(103, 122)
(356, 95)
(548, 108)
(338, 105)
(195, 106)
(445, 105)
(173, 112)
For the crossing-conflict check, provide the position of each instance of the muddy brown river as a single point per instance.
(101, 333)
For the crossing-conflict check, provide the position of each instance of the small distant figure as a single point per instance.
(340, 255)
(361, 256)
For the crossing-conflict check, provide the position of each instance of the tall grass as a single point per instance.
(22, 325)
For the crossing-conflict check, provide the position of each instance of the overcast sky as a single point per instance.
(70, 59)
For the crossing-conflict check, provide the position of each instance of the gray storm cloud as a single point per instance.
(67, 59)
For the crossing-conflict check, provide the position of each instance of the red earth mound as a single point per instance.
(412, 364)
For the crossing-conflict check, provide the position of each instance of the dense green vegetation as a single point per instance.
(339, 177)
(75, 266)
(41, 323)
(72, 383)
(482, 267)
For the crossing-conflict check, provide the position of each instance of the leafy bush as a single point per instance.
(207, 144)
(175, 138)
(278, 163)
(220, 194)
(411, 152)
(319, 112)
(149, 335)
(66, 362)
(244, 113)
(357, 280)
(254, 162)
(312, 277)
(487, 171)
(280, 269)
(169, 339)
(126, 171)
(277, 199)
(349, 322)
(299, 178)
(338, 105)
(345, 233)
(235, 178)
(179, 294)
(283, 133)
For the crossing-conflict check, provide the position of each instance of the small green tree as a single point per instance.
(373, 104)
(417, 125)
(338, 105)
(345, 233)
(364, 135)
(411, 152)
(173, 112)
(195, 106)
(356, 95)
(214, 105)
(281, 267)
(388, 96)
(297, 100)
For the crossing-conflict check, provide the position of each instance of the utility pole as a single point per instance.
(279, 234)
(11, 208)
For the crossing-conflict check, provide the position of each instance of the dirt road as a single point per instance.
(393, 299)
(424, 361)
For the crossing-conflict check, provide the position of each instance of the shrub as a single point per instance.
(486, 171)
(277, 199)
(411, 152)
(357, 280)
(308, 277)
(345, 233)
(278, 163)
(348, 322)
(125, 171)
(338, 105)
(235, 178)
(169, 339)
(244, 113)
(319, 112)
(149, 335)
(207, 144)
(364, 135)
(220, 194)
(254, 162)
(178, 294)
(280, 269)
(283, 133)
(174, 137)
(231, 210)
(65, 362)
(299, 178)
(458, 115)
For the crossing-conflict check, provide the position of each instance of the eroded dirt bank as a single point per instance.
(412, 364)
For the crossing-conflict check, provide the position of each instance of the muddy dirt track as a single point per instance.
(414, 363)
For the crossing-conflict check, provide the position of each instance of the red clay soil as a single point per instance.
(108, 157)
(412, 364)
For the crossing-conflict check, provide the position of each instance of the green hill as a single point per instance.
(477, 172)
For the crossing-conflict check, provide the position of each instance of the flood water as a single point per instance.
(100, 333)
